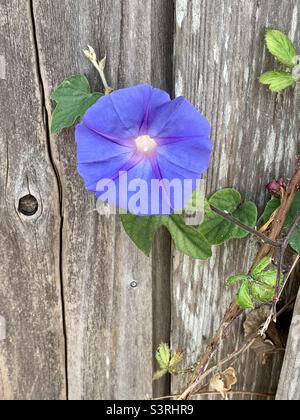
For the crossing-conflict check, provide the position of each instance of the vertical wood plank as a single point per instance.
(32, 359)
(288, 387)
(219, 53)
(109, 324)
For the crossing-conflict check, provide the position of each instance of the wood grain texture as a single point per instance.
(109, 324)
(219, 53)
(288, 387)
(71, 324)
(32, 359)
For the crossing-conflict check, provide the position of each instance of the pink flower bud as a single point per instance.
(276, 186)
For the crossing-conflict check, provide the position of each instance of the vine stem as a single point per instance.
(296, 261)
(273, 317)
(281, 215)
(234, 310)
(231, 219)
(228, 359)
(100, 66)
(286, 306)
(282, 245)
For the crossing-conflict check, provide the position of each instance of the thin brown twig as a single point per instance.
(294, 265)
(285, 307)
(283, 210)
(228, 359)
(233, 220)
(266, 226)
(282, 252)
(213, 393)
(272, 317)
(282, 245)
(234, 310)
(231, 315)
(223, 362)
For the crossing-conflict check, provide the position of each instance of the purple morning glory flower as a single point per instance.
(136, 142)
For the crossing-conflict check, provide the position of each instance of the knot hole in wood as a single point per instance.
(28, 205)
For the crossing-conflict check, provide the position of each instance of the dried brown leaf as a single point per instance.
(255, 320)
(223, 382)
(266, 343)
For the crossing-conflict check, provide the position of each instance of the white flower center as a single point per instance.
(145, 144)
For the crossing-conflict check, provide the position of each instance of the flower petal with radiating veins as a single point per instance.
(120, 115)
(178, 119)
(139, 135)
(190, 155)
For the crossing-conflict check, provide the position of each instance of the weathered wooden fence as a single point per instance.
(75, 326)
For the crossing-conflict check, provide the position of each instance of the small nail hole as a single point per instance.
(28, 205)
(134, 285)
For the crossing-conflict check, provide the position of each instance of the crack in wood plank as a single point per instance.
(31, 357)
(47, 119)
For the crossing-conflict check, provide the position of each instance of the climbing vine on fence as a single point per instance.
(173, 140)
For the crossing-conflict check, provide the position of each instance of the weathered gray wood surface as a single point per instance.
(218, 57)
(288, 387)
(109, 324)
(75, 327)
(32, 361)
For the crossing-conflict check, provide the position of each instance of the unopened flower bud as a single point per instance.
(90, 54)
(102, 64)
(276, 186)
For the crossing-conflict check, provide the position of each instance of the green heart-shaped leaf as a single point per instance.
(218, 230)
(141, 230)
(187, 239)
(73, 98)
